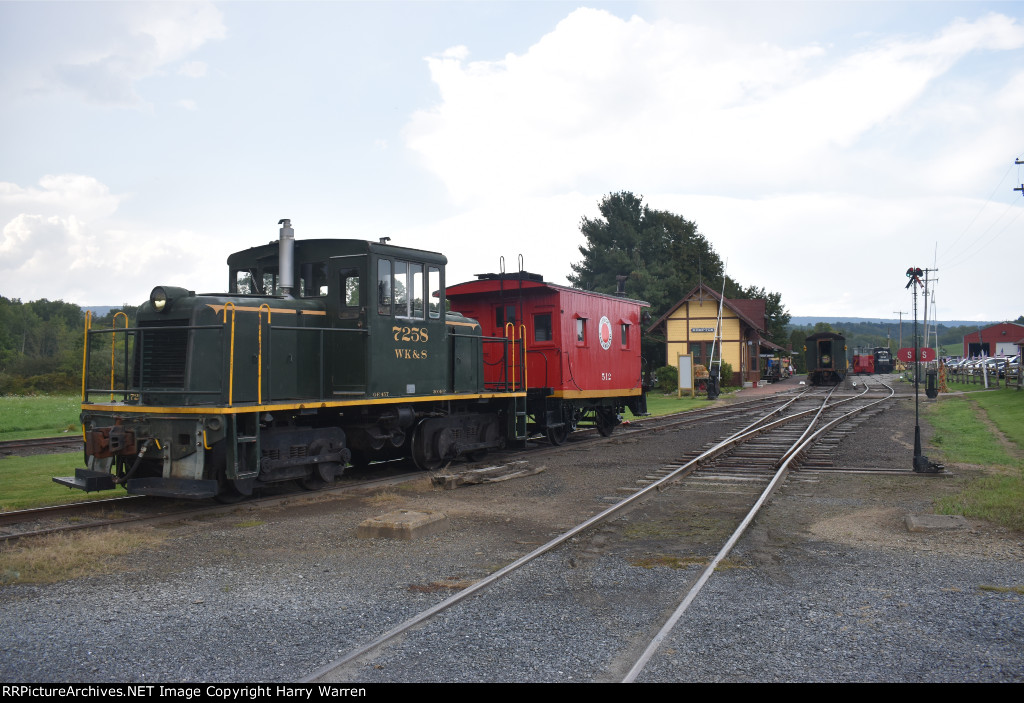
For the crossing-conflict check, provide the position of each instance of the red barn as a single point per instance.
(995, 340)
(582, 348)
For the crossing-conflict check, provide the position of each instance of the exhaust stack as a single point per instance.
(286, 259)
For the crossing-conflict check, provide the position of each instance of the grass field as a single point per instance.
(964, 434)
(25, 482)
(31, 416)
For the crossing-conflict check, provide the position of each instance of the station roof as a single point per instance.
(747, 310)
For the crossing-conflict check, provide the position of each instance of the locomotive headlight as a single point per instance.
(162, 297)
(158, 298)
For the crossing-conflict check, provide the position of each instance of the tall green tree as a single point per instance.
(775, 311)
(663, 254)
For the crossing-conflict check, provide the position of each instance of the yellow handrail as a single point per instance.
(526, 365)
(259, 356)
(113, 338)
(85, 349)
(510, 329)
(231, 357)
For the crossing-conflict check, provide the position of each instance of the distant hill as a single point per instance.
(803, 321)
(101, 310)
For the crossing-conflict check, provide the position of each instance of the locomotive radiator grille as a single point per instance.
(162, 354)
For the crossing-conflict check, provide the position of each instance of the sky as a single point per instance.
(821, 147)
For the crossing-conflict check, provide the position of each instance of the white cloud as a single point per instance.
(62, 240)
(187, 104)
(139, 41)
(193, 69)
(601, 100)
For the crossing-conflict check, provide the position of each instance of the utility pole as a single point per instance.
(926, 332)
(1018, 162)
(901, 313)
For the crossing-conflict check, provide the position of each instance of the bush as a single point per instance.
(668, 379)
(725, 379)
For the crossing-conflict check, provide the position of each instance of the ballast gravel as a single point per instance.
(827, 585)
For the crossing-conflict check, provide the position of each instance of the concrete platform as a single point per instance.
(934, 523)
(403, 524)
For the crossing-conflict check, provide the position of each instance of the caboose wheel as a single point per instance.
(605, 420)
(557, 435)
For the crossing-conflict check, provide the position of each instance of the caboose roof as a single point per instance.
(523, 281)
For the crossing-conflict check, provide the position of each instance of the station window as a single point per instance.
(695, 350)
(542, 327)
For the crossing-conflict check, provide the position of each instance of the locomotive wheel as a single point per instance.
(605, 420)
(557, 435)
(323, 473)
(420, 451)
(229, 490)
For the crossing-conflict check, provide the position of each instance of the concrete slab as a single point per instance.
(935, 523)
(403, 524)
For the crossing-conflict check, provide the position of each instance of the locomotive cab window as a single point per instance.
(436, 293)
(313, 281)
(254, 282)
(349, 287)
(384, 286)
(407, 289)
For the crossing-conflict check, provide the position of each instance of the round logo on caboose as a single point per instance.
(604, 332)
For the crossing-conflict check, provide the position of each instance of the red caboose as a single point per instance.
(582, 349)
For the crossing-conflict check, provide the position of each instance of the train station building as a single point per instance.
(689, 328)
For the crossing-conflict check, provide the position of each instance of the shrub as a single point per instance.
(668, 379)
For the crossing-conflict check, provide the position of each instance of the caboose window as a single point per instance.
(542, 327)
(581, 330)
(384, 286)
(625, 336)
(504, 314)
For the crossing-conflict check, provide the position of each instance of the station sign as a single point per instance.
(906, 354)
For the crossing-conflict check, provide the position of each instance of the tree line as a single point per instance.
(41, 345)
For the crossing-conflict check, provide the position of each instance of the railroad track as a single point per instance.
(772, 444)
(41, 445)
(107, 512)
